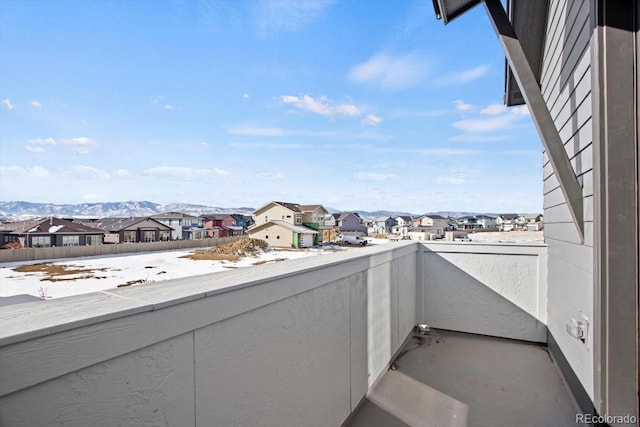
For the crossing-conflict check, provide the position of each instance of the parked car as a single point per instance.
(352, 240)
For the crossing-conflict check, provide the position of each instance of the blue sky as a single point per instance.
(352, 104)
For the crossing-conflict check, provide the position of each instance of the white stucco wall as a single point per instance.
(489, 289)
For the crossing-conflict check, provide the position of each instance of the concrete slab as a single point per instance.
(503, 382)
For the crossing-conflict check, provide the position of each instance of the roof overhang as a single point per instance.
(529, 21)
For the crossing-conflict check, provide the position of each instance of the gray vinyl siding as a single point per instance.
(566, 86)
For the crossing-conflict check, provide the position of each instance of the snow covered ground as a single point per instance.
(101, 273)
(508, 237)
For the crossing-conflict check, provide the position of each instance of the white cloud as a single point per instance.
(464, 77)
(392, 72)
(42, 141)
(87, 172)
(184, 173)
(372, 120)
(267, 145)
(121, 173)
(463, 106)
(493, 109)
(368, 176)
(90, 197)
(270, 176)
(7, 103)
(493, 123)
(169, 107)
(450, 180)
(321, 106)
(80, 145)
(245, 96)
(495, 119)
(34, 171)
(36, 145)
(248, 130)
(277, 15)
(35, 103)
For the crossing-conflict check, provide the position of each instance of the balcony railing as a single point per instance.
(295, 343)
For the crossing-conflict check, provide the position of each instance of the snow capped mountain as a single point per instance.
(19, 210)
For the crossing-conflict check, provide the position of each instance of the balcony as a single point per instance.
(305, 342)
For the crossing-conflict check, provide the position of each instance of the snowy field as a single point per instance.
(508, 237)
(102, 273)
(93, 274)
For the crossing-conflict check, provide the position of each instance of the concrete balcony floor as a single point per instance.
(457, 379)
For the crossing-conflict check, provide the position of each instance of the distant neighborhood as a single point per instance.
(280, 224)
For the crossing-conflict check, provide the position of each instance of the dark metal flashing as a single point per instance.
(529, 21)
(448, 10)
(571, 379)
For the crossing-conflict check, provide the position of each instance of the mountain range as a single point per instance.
(19, 210)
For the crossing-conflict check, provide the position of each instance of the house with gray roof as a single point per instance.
(133, 230)
(47, 232)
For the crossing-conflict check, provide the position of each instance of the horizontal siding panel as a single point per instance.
(550, 183)
(577, 141)
(553, 44)
(567, 232)
(575, 91)
(586, 180)
(564, 231)
(577, 117)
(577, 255)
(568, 44)
(588, 208)
(581, 163)
(557, 214)
(553, 198)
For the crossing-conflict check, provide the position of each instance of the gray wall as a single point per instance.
(566, 86)
(36, 254)
(292, 343)
(489, 289)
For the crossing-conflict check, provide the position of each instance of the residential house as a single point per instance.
(532, 222)
(46, 232)
(184, 226)
(506, 222)
(473, 222)
(383, 224)
(243, 222)
(425, 233)
(222, 225)
(434, 221)
(133, 230)
(403, 222)
(282, 224)
(350, 223)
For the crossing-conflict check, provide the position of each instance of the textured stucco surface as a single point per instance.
(483, 290)
(147, 388)
(281, 345)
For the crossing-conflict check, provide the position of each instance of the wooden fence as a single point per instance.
(37, 254)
